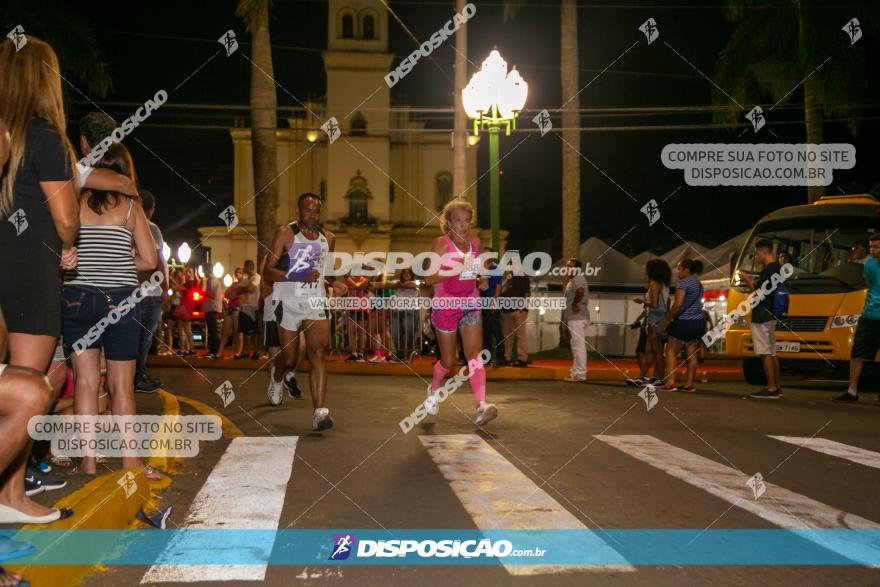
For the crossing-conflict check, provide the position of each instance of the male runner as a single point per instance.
(307, 244)
(270, 333)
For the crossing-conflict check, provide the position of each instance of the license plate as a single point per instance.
(788, 347)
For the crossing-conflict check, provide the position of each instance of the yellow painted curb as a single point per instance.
(105, 503)
(230, 430)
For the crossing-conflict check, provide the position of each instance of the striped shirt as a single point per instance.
(693, 292)
(105, 259)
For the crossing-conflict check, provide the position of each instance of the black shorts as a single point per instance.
(866, 342)
(270, 334)
(247, 324)
(687, 330)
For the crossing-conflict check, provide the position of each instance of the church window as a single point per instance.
(369, 27)
(358, 125)
(347, 26)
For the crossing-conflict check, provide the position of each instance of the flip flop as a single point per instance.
(10, 549)
(21, 583)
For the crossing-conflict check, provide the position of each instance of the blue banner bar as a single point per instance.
(455, 547)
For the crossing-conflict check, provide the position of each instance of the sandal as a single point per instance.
(21, 582)
(153, 475)
(61, 461)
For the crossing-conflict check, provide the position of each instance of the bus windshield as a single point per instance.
(827, 252)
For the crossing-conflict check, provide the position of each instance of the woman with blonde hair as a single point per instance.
(39, 221)
(455, 284)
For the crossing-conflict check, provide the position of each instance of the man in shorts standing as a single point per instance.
(763, 320)
(299, 291)
(866, 342)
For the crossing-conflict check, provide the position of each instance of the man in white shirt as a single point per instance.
(577, 318)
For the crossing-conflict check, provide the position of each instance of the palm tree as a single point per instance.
(264, 120)
(459, 134)
(571, 145)
(780, 43)
(79, 55)
(571, 137)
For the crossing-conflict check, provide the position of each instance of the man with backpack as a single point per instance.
(765, 316)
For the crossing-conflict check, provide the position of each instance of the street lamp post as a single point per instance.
(492, 99)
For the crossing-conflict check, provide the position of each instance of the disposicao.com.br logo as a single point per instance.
(468, 549)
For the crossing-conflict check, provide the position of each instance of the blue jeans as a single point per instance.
(150, 310)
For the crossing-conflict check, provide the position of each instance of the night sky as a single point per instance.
(186, 146)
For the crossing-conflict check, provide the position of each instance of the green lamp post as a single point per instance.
(492, 99)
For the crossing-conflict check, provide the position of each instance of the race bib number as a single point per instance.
(471, 268)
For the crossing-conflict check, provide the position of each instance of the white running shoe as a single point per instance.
(321, 419)
(275, 392)
(432, 405)
(485, 413)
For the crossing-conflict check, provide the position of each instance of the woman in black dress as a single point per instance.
(40, 221)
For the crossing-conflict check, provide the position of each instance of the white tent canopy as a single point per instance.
(618, 270)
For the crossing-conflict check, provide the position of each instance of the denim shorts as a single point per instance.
(687, 330)
(93, 318)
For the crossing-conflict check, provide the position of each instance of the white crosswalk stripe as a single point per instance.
(855, 454)
(245, 491)
(495, 492)
(778, 505)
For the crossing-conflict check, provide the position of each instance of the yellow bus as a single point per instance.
(824, 242)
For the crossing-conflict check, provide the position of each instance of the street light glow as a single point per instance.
(217, 270)
(166, 251)
(227, 280)
(493, 92)
(492, 99)
(184, 253)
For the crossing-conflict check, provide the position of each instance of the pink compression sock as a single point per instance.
(439, 374)
(478, 385)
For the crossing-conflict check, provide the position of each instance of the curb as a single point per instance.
(101, 504)
(108, 502)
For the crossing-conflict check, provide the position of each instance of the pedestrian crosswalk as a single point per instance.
(246, 490)
(855, 454)
(778, 505)
(498, 496)
(248, 487)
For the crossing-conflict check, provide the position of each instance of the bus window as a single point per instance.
(826, 259)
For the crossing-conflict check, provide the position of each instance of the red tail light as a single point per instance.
(196, 295)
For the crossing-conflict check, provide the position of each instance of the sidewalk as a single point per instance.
(106, 502)
(611, 369)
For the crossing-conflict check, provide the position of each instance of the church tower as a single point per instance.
(359, 161)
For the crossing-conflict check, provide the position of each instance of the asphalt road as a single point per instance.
(366, 473)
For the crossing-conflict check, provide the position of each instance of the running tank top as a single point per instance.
(303, 255)
(104, 256)
(455, 286)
